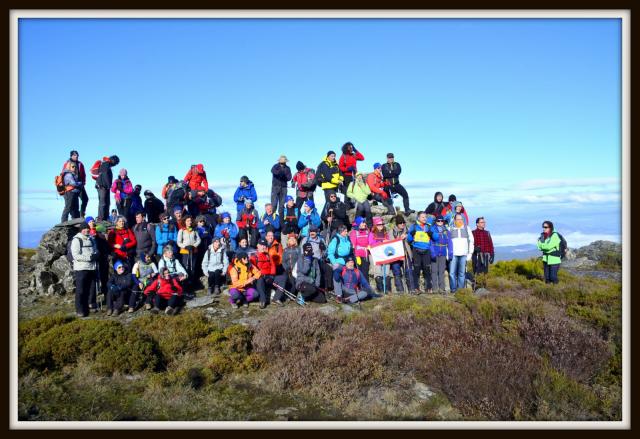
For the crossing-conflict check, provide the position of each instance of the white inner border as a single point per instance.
(624, 15)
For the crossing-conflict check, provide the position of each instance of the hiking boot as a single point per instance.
(209, 291)
(93, 309)
(263, 305)
(279, 302)
(155, 310)
(217, 291)
(131, 310)
(409, 211)
(246, 305)
(81, 314)
(116, 312)
(109, 312)
(147, 306)
(234, 306)
(170, 311)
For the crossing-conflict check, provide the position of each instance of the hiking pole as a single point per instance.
(384, 279)
(98, 287)
(289, 294)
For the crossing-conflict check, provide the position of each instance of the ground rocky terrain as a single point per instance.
(516, 349)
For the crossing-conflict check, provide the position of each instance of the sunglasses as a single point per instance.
(439, 221)
(546, 227)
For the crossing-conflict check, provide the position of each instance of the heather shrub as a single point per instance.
(29, 329)
(107, 345)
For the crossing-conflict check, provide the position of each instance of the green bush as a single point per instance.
(108, 345)
(29, 329)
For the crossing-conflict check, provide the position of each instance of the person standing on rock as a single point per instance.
(81, 175)
(103, 185)
(483, 253)
(304, 182)
(145, 235)
(72, 186)
(549, 243)
(85, 257)
(245, 191)
(348, 164)
(391, 174)
(328, 175)
(122, 188)
(281, 173)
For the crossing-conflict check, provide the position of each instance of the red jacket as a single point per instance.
(117, 236)
(482, 239)
(247, 218)
(266, 264)
(82, 176)
(376, 184)
(348, 160)
(197, 178)
(164, 288)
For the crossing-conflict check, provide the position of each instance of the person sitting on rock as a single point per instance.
(308, 216)
(269, 222)
(437, 207)
(270, 272)
(243, 282)
(350, 284)
(309, 276)
(215, 264)
(348, 165)
(166, 293)
(289, 259)
(378, 186)
(248, 223)
(360, 192)
(91, 222)
(123, 286)
(196, 178)
(290, 217)
(391, 172)
(339, 248)
(304, 181)
(334, 214)
(359, 237)
(169, 261)
(145, 269)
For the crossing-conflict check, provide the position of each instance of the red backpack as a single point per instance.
(59, 182)
(95, 169)
(308, 177)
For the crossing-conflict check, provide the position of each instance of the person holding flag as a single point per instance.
(420, 240)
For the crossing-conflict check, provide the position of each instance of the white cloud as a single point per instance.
(560, 183)
(26, 208)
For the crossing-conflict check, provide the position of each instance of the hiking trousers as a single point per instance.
(216, 278)
(85, 287)
(399, 189)
(551, 273)
(265, 284)
(104, 202)
(310, 293)
(174, 301)
(364, 210)
(247, 296)
(480, 262)
(438, 265)
(70, 206)
(422, 264)
(348, 201)
(278, 195)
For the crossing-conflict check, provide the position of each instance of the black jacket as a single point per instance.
(339, 213)
(105, 176)
(281, 176)
(435, 208)
(391, 172)
(153, 207)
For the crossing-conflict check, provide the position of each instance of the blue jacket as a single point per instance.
(233, 233)
(248, 192)
(345, 248)
(441, 244)
(418, 237)
(164, 234)
(206, 236)
(303, 221)
(274, 220)
(352, 281)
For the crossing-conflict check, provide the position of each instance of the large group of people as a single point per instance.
(154, 253)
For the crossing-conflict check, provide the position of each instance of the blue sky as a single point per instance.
(520, 118)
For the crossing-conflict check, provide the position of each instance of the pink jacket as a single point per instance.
(373, 240)
(360, 242)
(127, 188)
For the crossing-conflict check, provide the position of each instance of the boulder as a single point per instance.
(597, 249)
(61, 267)
(200, 301)
(55, 290)
(42, 278)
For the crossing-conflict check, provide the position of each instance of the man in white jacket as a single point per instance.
(85, 255)
(462, 242)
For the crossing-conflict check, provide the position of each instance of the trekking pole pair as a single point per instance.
(299, 299)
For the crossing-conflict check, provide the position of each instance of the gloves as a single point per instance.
(225, 233)
(491, 258)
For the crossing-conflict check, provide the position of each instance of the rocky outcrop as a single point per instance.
(587, 257)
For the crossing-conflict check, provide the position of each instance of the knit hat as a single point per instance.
(376, 166)
(84, 225)
(171, 179)
(452, 198)
(331, 153)
(177, 208)
(225, 215)
(359, 220)
(300, 166)
(263, 242)
(89, 219)
(349, 259)
(117, 265)
(307, 249)
(390, 155)
(248, 201)
(73, 152)
(288, 198)
(310, 204)
(114, 159)
(377, 221)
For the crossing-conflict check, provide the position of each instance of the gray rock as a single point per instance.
(597, 249)
(423, 391)
(43, 278)
(204, 280)
(61, 267)
(55, 290)
(199, 301)
(328, 309)
(69, 284)
(285, 411)
(481, 292)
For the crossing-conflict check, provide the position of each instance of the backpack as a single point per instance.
(564, 248)
(95, 169)
(176, 196)
(335, 252)
(59, 183)
(69, 255)
(309, 178)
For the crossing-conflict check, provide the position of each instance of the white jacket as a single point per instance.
(82, 247)
(462, 245)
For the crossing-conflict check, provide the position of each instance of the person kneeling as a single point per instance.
(350, 284)
(122, 286)
(243, 282)
(167, 291)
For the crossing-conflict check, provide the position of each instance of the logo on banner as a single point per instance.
(389, 251)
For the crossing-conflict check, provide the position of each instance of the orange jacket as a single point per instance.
(276, 252)
(375, 182)
(240, 273)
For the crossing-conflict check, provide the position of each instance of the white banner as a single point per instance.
(387, 252)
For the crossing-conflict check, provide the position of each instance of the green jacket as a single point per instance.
(358, 192)
(550, 248)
